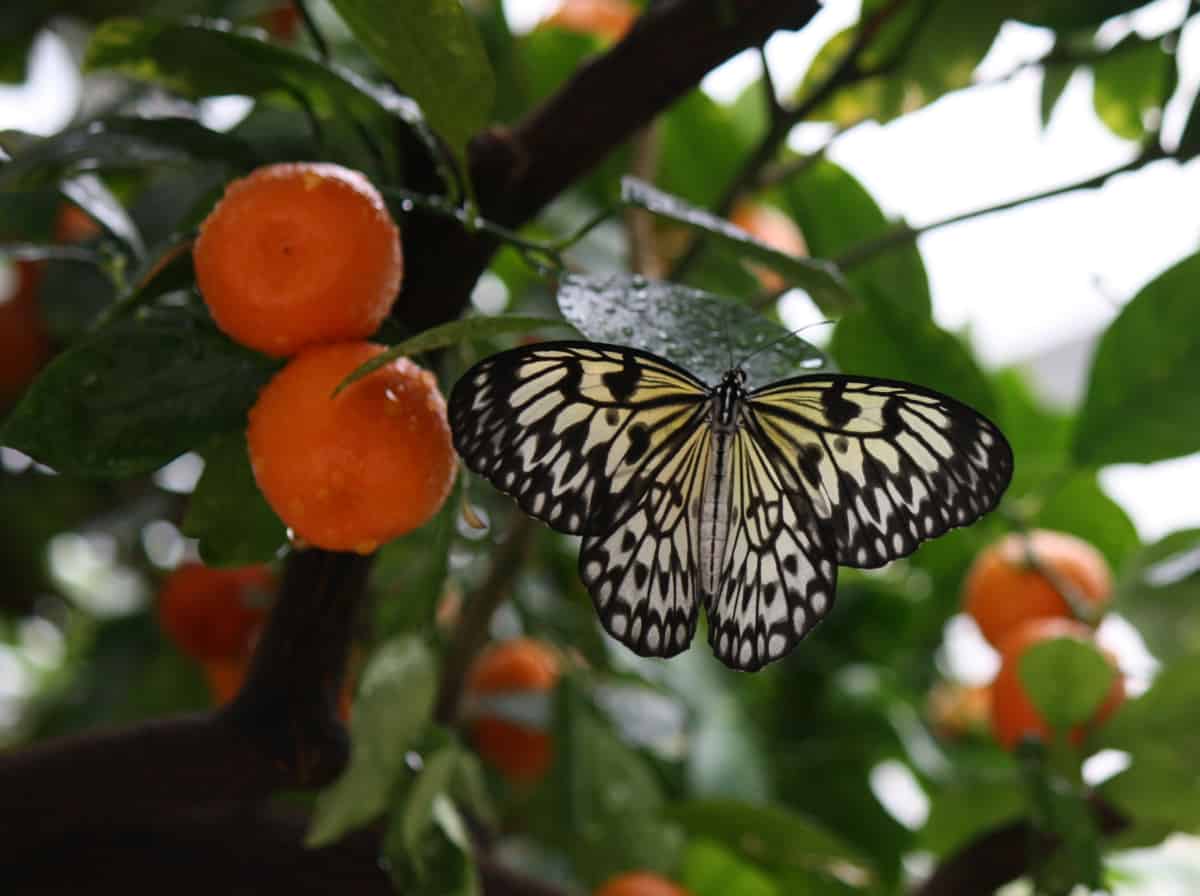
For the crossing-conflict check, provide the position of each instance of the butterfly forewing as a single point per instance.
(887, 464)
(777, 579)
(573, 431)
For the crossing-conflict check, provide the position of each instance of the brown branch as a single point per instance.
(1003, 854)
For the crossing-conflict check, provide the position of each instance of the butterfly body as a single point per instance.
(739, 501)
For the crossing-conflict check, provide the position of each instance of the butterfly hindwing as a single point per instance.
(572, 430)
(777, 579)
(887, 464)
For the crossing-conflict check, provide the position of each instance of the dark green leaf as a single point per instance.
(1067, 15)
(1038, 434)
(456, 331)
(394, 705)
(432, 51)
(227, 513)
(121, 142)
(1132, 81)
(137, 394)
(821, 280)
(710, 869)
(1066, 679)
(1081, 507)
(1189, 140)
(702, 146)
(972, 799)
(1054, 82)
(1144, 376)
(89, 193)
(680, 323)
(1159, 592)
(769, 836)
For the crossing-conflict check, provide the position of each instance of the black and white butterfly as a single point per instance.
(743, 502)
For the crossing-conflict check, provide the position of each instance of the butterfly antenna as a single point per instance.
(788, 335)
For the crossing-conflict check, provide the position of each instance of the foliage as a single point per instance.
(730, 784)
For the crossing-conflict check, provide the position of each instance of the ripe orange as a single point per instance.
(771, 226)
(281, 21)
(1013, 714)
(607, 19)
(212, 613)
(350, 472)
(298, 254)
(522, 664)
(640, 883)
(24, 342)
(1002, 589)
(73, 225)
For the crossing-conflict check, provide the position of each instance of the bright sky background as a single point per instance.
(1034, 283)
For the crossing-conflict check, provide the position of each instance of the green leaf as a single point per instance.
(441, 861)
(1054, 81)
(710, 869)
(1038, 434)
(433, 52)
(417, 817)
(1144, 375)
(1189, 140)
(1132, 81)
(1068, 15)
(481, 327)
(89, 193)
(769, 836)
(120, 142)
(1081, 507)
(680, 323)
(971, 799)
(137, 394)
(1159, 592)
(227, 512)
(702, 147)
(393, 707)
(1066, 679)
(822, 281)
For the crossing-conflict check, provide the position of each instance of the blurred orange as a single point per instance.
(74, 225)
(640, 883)
(771, 226)
(24, 341)
(607, 19)
(213, 613)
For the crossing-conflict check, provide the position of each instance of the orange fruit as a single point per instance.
(349, 472)
(298, 254)
(281, 21)
(1002, 590)
(640, 883)
(519, 751)
(1014, 715)
(212, 613)
(958, 710)
(73, 225)
(607, 19)
(771, 226)
(24, 342)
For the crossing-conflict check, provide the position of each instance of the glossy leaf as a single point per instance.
(1068, 15)
(1132, 81)
(433, 53)
(680, 323)
(227, 513)
(1144, 372)
(137, 394)
(822, 281)
(1066, 680)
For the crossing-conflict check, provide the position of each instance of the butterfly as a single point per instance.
(741, 501)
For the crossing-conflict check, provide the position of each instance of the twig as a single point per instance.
(644, 257)
(471, 633)
(905, 233)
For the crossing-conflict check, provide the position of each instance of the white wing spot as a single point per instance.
(819, 602)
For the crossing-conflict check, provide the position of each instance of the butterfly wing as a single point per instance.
(605, 442)
(885, 464)
(777, 578)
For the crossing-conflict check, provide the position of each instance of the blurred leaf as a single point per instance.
(821, 280)
(1189, 140)
(1144, 375)
(137, 394)
(710, 869)
(1132, 80)
(1066, 679)
(702, 145)
(972, 798)
(121, 142)
(1162, 723)
(1081, 507)
(452, 333)
(1054, 81)
(432, 51)
(416, 818)
(769, 836)
(89, 193)
(394, 705)
(227, 512)
(1066, 15)
(679, 323)
(549, 56)
(1058, 807)
(1159, 592)
(1039, 436)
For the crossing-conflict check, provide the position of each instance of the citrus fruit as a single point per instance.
(213, 613)
(1003, 589)
(640, 883)
(771, 226)
(73, 225)
(351, 471)
(24, 342)
(520, 752)
(607, 19)
(298, 254)
(1014, 715)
